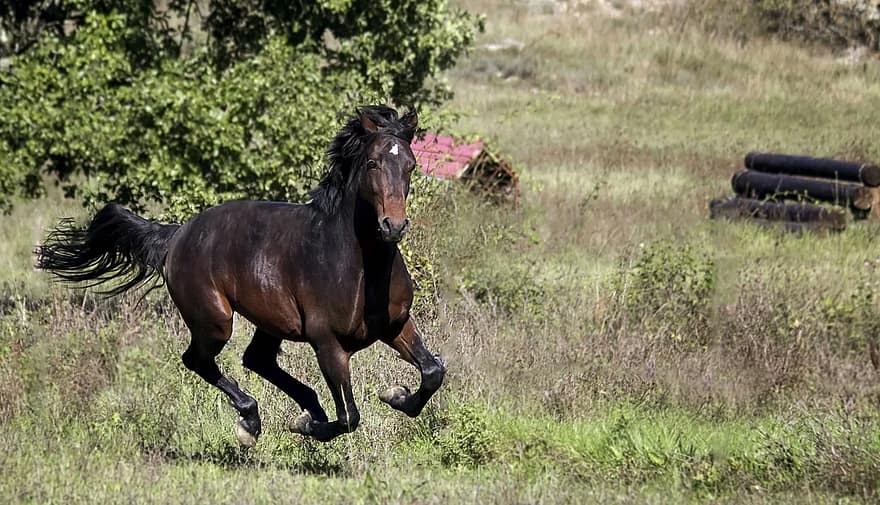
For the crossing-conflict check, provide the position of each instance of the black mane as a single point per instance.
(346, 153)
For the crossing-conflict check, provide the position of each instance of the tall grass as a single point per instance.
(605, 341)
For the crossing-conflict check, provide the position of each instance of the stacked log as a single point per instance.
(865, 173)
(753, 184)
(780, 190)
(795, 217)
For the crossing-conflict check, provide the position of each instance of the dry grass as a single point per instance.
(578, 370)
(624, 128)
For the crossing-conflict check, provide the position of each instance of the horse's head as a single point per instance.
(388, 166)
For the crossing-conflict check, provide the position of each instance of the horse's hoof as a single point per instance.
(301, 424)
(245, 438)
(394, 395)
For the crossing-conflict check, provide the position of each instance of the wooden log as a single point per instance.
(865, 173)
(817, 227)
(745, 208)
(759, 185)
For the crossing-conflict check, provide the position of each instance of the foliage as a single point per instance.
(667, 283)
(396, 45)
(498, 279)
(839, 23)
(23, 23)
(512, 288)
(119, 111)
(425, 199)
(468, 441)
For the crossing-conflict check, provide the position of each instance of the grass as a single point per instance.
(606, 342)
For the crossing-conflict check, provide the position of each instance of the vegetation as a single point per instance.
(606, 342)
(145, 105)
(837, 23)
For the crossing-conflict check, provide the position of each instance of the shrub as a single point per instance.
(467, 440)
(117, 110)
(487, 269)
(666, 286)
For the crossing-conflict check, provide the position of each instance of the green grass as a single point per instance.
(564, 385)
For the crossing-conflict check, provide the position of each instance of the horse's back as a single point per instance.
(233, 230)
(236, 257)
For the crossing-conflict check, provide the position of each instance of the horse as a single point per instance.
(327, 272)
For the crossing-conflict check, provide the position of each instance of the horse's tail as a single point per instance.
(116, 245)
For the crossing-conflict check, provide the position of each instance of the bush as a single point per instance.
(837, 22)
(489, 265)
(117, 110)
(177, 135)
(666, 286)
(467, 440)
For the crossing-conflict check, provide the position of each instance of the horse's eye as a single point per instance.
(371, 164)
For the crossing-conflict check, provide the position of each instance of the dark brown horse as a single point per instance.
(327, 272)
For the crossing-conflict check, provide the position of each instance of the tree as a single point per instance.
(183, 104)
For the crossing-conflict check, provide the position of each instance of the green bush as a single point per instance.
(512, 289)
(485, 271)
(424, 200)
(666, 286)
(117, 110)
(467, 440)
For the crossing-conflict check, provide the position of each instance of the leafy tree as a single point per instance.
(185, 104)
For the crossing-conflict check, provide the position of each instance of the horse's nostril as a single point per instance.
(391, 229)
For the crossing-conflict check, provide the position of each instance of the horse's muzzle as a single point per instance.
(393, 230)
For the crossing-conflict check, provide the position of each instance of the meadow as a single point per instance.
(606, 342)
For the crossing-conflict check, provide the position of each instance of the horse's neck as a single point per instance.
(356, 228)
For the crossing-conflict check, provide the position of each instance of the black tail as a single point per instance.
(116, 245)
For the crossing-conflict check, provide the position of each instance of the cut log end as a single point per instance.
(870, 175)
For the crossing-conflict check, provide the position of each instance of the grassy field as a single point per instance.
(606, 342)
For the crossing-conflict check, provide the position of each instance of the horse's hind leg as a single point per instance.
(334, 363)
(261, 356)
(411, 348)
(207, 342)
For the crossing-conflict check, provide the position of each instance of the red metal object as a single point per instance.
(473, 163)
(443, 157)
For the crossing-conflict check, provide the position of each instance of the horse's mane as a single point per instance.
(347, 150)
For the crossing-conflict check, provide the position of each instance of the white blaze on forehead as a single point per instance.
(394, 150)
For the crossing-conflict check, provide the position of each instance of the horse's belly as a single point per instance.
(366, 334)
(273, 314)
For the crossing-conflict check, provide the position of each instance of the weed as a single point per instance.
(667, 286)
(467, 440)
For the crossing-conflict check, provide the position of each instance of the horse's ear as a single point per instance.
(411, 119)
(367, 123)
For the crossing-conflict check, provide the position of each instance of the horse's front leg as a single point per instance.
(411, 348)
(334, 363)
